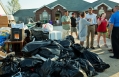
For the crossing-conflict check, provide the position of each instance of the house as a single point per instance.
(24, 15)
(55, 10)
(3, 11)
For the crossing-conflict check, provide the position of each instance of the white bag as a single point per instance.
(47, 27)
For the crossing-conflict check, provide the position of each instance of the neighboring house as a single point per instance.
(3, 11)
(55, 10)
(24, 15)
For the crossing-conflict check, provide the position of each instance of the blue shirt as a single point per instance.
(115, 19)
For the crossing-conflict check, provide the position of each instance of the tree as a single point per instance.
(13, 6)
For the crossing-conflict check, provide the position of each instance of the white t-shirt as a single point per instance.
(92, 17)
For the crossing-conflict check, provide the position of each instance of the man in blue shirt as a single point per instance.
(114, 27)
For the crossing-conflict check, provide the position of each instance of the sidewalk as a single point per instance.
(113, 71)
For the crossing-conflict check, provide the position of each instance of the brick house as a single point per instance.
(55, 10)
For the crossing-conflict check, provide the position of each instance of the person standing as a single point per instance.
(91, 29)
(73, 24)
(114, 27)
(83, 24)
(102, 29)
(66, 22)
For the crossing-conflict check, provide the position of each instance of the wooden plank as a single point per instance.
(3, 21)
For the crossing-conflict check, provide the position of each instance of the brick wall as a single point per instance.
(40, 11)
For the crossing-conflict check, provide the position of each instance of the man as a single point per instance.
(91, 29)
(114, 27)
(66, 22)
(73, 24)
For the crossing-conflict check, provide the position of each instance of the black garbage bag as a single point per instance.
(70, 52)
(66, 43)
(28, 32)
(87, 67)
(49, 52)
(61, 69)
(8, 69)
(34, 75)
(47, 68)
(37, 33)
(31, 47)
(95, 60)
(70, 38)
(56, 46)
(26, 74)
(78, 49)
(30, 64)
(72, 69)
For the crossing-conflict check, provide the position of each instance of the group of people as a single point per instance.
(85, 24)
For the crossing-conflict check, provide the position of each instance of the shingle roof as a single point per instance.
(80, 5)
(108, 2)
(24, 12)
(70, 5)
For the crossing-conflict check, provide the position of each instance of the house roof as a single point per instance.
(75, 5)
(80, 5)
(70, 5)
(3, 7)
(24, 12)
(105, 2)
(41, 8)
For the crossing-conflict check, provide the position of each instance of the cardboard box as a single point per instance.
(4, 21)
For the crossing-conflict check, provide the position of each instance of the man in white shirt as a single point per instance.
(90, 16)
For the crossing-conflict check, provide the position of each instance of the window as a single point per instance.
(45, 15)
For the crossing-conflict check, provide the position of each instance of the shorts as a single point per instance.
(73, 29)
(102, 32)
(82, 38)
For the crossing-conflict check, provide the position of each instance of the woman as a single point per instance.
(83, 23)
(102, 29)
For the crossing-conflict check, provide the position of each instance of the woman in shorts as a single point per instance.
(83, 24)
(102, 29)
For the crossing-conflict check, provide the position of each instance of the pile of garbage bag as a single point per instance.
(53, 58)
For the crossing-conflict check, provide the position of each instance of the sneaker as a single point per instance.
(98, 46)
(106, 45)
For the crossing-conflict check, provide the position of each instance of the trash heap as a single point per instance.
(53, 59)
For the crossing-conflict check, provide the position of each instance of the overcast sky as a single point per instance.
(29, 4)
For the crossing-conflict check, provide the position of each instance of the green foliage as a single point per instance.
(13, 6)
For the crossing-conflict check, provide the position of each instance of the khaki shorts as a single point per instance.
(102, 33)
(73, 29)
